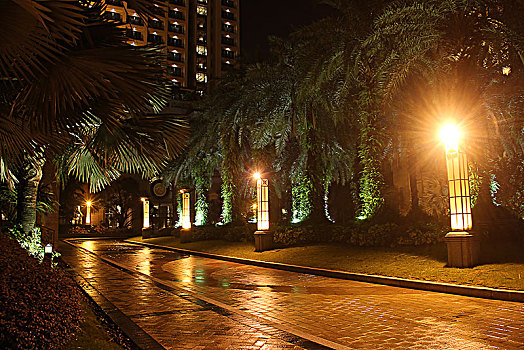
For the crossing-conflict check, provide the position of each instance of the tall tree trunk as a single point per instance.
(29, 178)
(314, 174)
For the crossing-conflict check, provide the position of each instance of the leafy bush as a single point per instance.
(361, 234)
(31, 242)
(39, 305)
(296, 234)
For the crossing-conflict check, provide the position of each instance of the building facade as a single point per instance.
(201, 37)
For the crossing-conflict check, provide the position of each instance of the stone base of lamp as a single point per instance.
(186, 235)
(147, 232)
(463, 249)
(263, 241)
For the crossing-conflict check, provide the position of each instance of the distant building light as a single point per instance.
(228, 36)
(228, 49)
(154, 33)
(506, 70)
(228, 23)
(112, 10)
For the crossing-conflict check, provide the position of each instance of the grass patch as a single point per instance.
(502, 267)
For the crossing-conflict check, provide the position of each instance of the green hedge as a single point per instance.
(364, 235)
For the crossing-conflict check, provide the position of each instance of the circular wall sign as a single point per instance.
(159, 189)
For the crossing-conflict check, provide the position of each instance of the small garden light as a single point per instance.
(48, 251)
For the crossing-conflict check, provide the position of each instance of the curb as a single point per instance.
(470, 291)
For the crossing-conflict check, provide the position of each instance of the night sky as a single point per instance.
(261, 18)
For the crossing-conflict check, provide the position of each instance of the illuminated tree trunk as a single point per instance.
(29, 176)
(314, 173)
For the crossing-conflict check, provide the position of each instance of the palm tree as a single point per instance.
(428, 59)
(72, 88)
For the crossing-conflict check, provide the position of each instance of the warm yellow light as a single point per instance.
(256, 176)
(450, 136)
(186, 214)
(262, 204)
(145, 207)
(88, 213)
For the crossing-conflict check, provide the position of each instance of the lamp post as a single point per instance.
(185, 234)
(145, 210)
(263, 238)
(186, 210)
(463, 248)
(88, 212)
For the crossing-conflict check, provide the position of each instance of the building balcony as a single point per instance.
(156, 24)
(176, 71)
(175, 28)
(115, 2)
(176, 14)
(228, 28)
(135, 20)
(228, 41)
(158, 11)
(113, 16)
(133, 34)
(228, 53)
(228, 3)
(175, 56)
(177, 2)
(175, 42)
(154, 39)
(228, 15)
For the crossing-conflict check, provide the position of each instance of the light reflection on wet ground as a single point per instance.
(351, 313)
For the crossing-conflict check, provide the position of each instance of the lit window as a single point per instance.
(506, 70)
(201, 50)
(201, 77)
(202, 10)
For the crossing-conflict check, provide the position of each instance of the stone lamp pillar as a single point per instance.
(263, 237)
(185, 233)
(463, 248)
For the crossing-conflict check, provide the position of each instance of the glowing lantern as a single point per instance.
(262, 203)
(459, 193)
(186, 215)
(145, 206)
(88, 213)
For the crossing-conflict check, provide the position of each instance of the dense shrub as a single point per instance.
(39, 305)
(361, 234)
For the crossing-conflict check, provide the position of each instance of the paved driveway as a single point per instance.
(194, 302)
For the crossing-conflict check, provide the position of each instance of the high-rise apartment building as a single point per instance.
(201, 36)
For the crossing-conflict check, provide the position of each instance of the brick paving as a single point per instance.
(194, 302)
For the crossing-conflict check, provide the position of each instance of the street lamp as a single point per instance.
(186, 213)
(88, 212)
(262, 203)
(145, 208)
(462, 247)
(263, 238)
